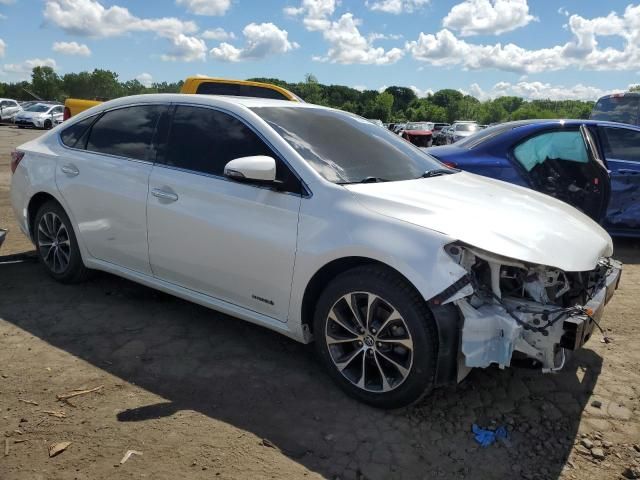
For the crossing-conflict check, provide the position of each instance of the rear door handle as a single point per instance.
(70, 170)
(164, 194)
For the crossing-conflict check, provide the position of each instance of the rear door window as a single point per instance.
(566, 146)
(204, 140)
(621, 144)
(214, 88)
(71, 135)
(618, 108)
(125, 132)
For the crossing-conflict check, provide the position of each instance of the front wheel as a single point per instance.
(376, 337)
(57, 245)
(48, 125)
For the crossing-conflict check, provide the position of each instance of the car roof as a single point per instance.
(561, 121)
(216, 100)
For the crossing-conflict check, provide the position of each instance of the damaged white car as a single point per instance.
(319, 225)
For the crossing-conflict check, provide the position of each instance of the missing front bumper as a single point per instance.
(492, 332)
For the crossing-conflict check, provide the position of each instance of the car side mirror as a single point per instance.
(259, 169)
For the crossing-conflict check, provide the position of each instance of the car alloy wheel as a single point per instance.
(54, 243)
(369, 342)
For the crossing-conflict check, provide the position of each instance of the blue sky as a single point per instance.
(532, 48)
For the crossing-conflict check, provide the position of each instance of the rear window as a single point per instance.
(622, 109)
(70, 136)
(213, 88)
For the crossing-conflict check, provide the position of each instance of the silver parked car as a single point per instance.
(40, 115)
(460, 130)
(8, 109)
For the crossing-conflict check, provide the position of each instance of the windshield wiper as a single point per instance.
(367, 180)
(436, 172)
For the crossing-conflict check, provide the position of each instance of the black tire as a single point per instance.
(48, 125)
(430, 143)
(75, 271)
(403, 297)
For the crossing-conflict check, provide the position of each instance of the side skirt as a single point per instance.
(195, 297)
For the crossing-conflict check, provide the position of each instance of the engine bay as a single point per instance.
(513, 309)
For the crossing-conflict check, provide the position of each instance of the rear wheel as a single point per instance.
(57, 245)
(376, 337)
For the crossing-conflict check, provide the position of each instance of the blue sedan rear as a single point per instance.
(592, 165)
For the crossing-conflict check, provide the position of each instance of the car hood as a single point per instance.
(463, 133)
(418, 132)
(31, 115)
(495, 216)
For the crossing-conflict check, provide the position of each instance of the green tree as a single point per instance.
(634, 88)
(402, 97)
(46, 83)
(380, 107)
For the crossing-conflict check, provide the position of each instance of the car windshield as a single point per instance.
(38, 107)
(466, 127)
(345, 148)
(419, 126)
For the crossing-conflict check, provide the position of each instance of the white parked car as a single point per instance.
(40, 115)
(317, 224)
(8, 109)
(460, 130)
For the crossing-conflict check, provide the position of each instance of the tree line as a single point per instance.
(394, 104)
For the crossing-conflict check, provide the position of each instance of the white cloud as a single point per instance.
(89, 18)
(71, 48)
(3, 48)
(396, 7)
(316, 13)
(7, 2)
(372, 37)
(488, 17)
(219, 34)
(421, 93)
(563, 11)
(261, 40)
(145, 79)
(582, 51)
(347, 45)
(206, 7)
(186, 49)
(23, 70)
(540, 91)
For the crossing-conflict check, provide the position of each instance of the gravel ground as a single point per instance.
(203, 395)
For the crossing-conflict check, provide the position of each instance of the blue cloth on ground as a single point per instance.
(486, 437)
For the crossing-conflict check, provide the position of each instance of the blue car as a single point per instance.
(592, 165)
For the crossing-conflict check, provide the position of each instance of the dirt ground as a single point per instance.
(204, 395)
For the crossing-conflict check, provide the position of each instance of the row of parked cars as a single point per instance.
(427, 134)
(34, 114)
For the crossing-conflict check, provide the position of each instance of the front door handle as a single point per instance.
(164, 194)
(70, 170)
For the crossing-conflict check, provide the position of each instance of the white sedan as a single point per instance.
(322, 226)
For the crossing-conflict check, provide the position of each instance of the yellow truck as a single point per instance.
(203, 86)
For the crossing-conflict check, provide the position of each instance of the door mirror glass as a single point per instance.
(258, 168)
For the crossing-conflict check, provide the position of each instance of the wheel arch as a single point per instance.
(447, 318)
(323, 276)
(34, 205)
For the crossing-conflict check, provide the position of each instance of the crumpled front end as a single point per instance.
(513, 309)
